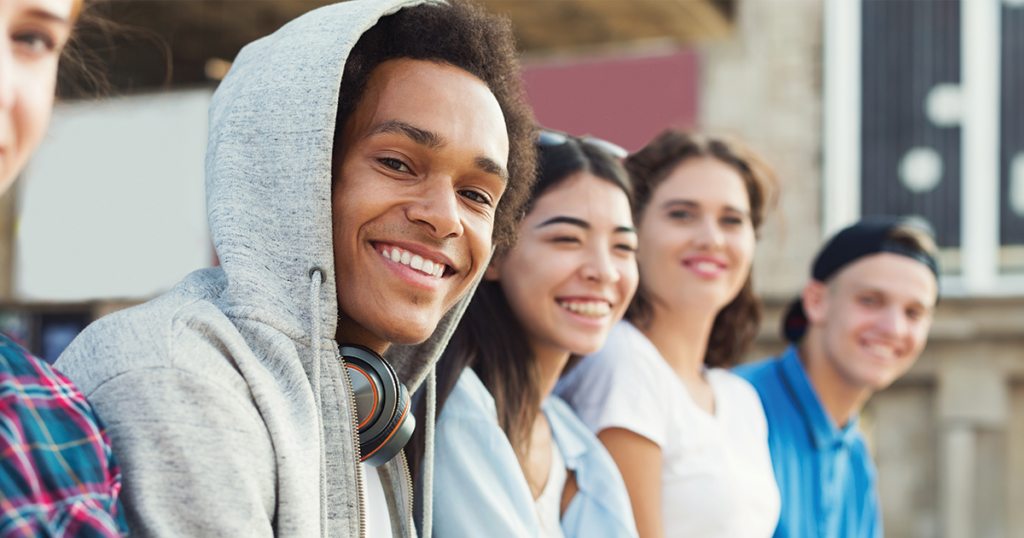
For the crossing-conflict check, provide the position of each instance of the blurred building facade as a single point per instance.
(863, 107)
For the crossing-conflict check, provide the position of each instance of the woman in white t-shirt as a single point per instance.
(690, 437)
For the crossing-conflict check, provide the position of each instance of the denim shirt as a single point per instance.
(826, 477)
(480, 489)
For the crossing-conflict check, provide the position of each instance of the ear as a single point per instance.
(815, 302)
(493, 271)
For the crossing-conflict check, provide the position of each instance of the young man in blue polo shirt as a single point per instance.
(859, 324)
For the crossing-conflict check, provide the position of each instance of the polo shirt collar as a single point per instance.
(824, 430)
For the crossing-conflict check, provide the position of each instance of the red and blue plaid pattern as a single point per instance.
(58, 476)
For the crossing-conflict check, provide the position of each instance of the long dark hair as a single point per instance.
(737, 323)
(490, 339)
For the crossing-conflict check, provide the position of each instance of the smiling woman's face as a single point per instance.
(696, 237)
(573, 271)
(34, 33)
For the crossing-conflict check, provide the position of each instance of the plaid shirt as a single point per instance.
(58, 476)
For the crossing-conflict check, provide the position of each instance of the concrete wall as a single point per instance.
(764, 85)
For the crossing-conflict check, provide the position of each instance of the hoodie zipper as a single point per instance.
(408, 486)
(358, 450)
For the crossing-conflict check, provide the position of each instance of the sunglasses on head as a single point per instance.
(547, 137)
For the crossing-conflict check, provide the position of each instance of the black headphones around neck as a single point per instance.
(382, 404)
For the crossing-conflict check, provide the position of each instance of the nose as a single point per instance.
(710, 233)
(437, 208)
(894, 321)
(600, 267)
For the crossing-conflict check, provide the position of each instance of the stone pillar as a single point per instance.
(971, 396)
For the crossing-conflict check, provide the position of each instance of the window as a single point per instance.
(923, 119)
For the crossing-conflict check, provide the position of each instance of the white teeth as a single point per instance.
(707, 267)
(591, 309)
(404, 257)
(882, 351)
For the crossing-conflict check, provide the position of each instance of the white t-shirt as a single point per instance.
(549, 504)
(375, 516)
(716, 478)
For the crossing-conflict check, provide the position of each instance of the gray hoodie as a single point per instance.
(228, 410)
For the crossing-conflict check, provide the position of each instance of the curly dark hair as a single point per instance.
(461, 34)
(737, 323)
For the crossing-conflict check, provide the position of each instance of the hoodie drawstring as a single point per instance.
(428, 453)
(316, 279)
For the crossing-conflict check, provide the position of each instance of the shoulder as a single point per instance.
(168, 332)
(572, 435)
(759, 373)
(28, 384)
(735, 387)
(564, 420)
(627, 359)
(470, 399)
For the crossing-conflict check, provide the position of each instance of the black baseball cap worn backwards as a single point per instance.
(867, 237)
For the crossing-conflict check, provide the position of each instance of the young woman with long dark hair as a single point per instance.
(689, 436)
(512, 460)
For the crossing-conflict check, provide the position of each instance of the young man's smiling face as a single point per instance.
(874, 317)
(417, 178)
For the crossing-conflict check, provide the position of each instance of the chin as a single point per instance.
(407, 332)
(586, 346)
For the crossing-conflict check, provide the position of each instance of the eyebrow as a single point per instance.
(582, 224)
(420, 136)
(433, 140)
(50, 16)
(690, 203)
(488, 165)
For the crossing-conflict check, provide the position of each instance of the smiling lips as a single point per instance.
(705, 266)
(417, 262)
(590, 309)
(881, 350)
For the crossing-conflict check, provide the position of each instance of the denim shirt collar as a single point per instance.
(596, 474)
(824, 430)
(571, 446)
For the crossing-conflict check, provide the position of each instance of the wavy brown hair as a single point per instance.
(737, 323)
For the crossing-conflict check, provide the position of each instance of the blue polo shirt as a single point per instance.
(826, 477)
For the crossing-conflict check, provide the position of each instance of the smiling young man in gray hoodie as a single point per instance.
(228, 407)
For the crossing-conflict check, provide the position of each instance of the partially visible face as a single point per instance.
(874, 316)
(34, 33)
(573, 270)
(696, 237)
(418, 176)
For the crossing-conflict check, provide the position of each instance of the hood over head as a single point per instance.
(268, 169)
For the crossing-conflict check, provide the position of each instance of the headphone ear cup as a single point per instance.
(382, 405)
(392, 439)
